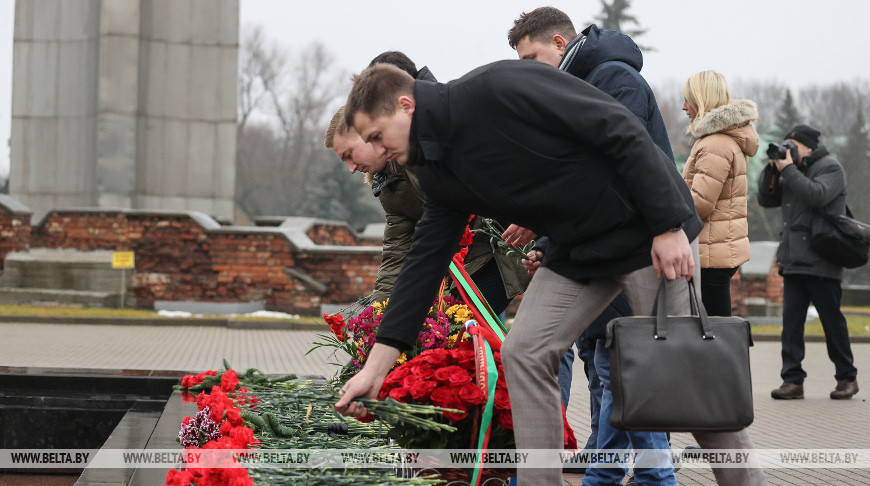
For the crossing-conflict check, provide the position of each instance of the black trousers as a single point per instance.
(716, 290)
(489, 282)
(825, 294)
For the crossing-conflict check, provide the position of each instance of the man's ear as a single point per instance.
(560, 43)
(407, 104)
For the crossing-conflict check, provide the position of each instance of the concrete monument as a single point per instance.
(125, 104)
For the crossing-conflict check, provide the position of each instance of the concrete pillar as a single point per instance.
(125, 104)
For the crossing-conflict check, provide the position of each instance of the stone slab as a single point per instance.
(211, 308)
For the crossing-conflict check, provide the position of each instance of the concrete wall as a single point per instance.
(54, 103)
(125, 104)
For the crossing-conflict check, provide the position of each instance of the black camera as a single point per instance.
(776, 151)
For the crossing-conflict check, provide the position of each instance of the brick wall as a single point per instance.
(14, 233)
(768, 288)
(187, 256)
(14, 227)
(179, 257)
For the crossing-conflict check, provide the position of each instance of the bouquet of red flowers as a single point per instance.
(356, 335)
(445, 378)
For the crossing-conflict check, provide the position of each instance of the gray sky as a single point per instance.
(800, 42)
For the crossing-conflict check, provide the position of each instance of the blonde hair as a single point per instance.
(337, 126)
(705, 91)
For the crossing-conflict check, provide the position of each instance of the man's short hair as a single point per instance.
(375, 91)
(540, 25)
(398, 59)
(337, 126)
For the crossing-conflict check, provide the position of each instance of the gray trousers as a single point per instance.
(554, 312)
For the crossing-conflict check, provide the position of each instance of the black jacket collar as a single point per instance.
(430, 125)
(816, 155)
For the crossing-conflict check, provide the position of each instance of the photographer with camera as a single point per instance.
(806, 181)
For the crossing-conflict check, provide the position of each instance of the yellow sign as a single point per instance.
(123, 259)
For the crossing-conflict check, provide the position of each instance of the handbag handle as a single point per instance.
(660, 310)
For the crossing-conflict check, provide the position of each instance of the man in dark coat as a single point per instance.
(498, 276)
(525, 142)
(815, 182)
(611, 62)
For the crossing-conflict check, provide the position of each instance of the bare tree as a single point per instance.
(301, 103)
(285, 102)
(261, 64)
(670, 103)
(829, 108)
(258, 184)
(767, 94)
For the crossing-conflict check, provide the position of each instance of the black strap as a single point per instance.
(660, 311)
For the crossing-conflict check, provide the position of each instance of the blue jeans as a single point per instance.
(586, 352)
(612, 438)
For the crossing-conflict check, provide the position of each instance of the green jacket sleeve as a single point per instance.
(403, 207)
(398, 236)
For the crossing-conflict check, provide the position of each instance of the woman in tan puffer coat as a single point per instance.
(716, 175)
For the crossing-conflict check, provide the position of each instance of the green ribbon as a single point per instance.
(486, 419)
(493, 322)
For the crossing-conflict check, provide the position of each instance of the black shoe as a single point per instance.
(845, 389)
(791, 391)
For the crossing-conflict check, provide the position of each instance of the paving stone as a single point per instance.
(814, 423)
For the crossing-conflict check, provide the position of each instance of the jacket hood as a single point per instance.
(595, 46)
(732, 120)
(424, 74)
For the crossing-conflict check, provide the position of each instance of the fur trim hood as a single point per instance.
(735, 113)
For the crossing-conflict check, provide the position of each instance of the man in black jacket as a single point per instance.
(815, 182)
(498, 277)
(611, 62)
(525, 142)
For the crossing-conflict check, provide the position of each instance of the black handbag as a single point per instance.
(841, 240)
(680, 373)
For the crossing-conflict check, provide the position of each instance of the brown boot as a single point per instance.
(790, 391)
(845, 389)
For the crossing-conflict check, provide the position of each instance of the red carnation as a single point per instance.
(242, 437)
(234, 416)
(178, 478)
(366, 418)
(336, 325)
(226, 427)
(201, 400)
(471, 394)
(229, 381)
(188, 381)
